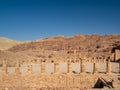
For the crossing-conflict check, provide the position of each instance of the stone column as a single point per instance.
(56, 67)
(42, 67)
(17, 68)
(108, 67)
(4, 67)
(80, 55)
(75, 55)
(112, 56)
(95, 69)
(104, 60)
(117, 54)
(29, 68)
(82, 66)
(69, 67)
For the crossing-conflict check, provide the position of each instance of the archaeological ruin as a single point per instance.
(25, 77)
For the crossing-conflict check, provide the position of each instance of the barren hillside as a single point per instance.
(58, 48)
(91, 43)
(6, 43)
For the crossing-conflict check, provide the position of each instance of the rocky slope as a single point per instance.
(61, 48)
(12, 58)
(90, 43)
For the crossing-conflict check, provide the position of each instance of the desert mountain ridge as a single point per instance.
(58, 48)
(78, 42)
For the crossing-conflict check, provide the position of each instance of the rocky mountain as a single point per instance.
(61, 48)
(90, 43)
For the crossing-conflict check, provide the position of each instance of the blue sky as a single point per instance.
(34, 19)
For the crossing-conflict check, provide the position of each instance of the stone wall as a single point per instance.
(42, 80)
(117, 54)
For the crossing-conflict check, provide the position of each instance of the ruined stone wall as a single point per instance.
(39, 81)
(117, 54)
(52, 81)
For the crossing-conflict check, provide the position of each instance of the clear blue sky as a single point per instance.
(33, 19)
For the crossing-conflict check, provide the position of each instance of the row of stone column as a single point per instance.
(56, 67)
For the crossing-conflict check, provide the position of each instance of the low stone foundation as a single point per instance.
(53, 81)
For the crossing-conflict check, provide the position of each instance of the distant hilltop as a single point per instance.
(6, 43)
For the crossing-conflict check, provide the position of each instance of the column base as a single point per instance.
(82, 73)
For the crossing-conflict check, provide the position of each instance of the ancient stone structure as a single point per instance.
(69, 67)
(116, 53)
(4, 67)
(108, 67)
(42, 67)
(82, 65)
(56, 67)
(95, 70)
(29, 68)
(17, 69)
(75, 55)
(55, 81)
